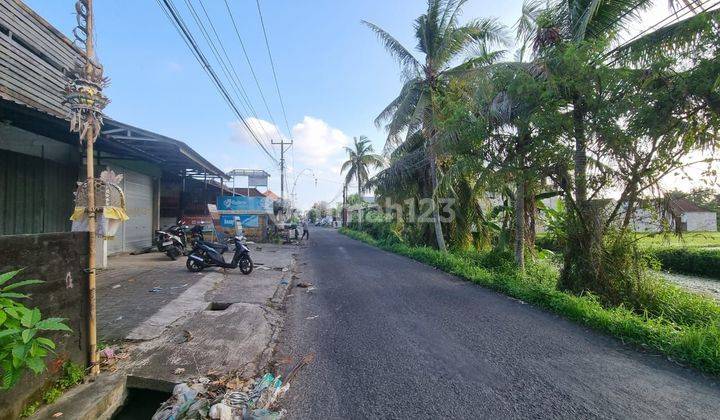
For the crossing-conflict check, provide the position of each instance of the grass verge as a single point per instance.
(696, 343)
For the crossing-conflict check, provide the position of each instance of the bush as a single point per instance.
(674, 322)
(20, 345)
(695, 261)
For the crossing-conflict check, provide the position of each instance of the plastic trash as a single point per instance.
(221, 411)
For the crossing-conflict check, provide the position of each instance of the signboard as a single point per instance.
(247, 220)
(257, 181)
(240, 204)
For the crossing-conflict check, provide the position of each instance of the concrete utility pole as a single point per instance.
(282, 144)
(344, 206)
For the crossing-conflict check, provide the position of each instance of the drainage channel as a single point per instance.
(143, 398)
(218, 306)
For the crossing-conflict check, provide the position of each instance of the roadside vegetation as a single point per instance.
(22, 344)
(490, 121)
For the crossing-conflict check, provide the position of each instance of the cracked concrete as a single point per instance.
(186, 338)
(174, 333)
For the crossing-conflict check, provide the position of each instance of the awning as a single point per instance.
(171, 155)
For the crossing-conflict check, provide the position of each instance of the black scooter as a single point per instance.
(206, 255)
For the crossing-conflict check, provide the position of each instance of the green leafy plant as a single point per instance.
(21, 346)
(30, 409)
(699, 262)
(72, 375)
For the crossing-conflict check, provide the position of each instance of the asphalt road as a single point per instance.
(397, 339)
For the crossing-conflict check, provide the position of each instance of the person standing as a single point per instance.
(306, 230)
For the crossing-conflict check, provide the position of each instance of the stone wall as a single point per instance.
(59, 259)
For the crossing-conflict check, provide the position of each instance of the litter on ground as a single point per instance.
(228, 397)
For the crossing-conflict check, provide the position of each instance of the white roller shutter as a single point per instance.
(136, 233)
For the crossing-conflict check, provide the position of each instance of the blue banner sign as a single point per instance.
(239, 204)
(247, 220)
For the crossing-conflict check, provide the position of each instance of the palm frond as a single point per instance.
(394, 47)
(687, 35)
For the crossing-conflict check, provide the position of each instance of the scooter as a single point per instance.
(172, 241)
(197, 235)
(204, 255)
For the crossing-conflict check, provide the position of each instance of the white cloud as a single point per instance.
(263, 130)
(317, 143)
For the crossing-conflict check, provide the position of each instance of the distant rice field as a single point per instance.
(687, 240)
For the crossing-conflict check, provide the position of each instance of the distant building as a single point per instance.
(657, 215)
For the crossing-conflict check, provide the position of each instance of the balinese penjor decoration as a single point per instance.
(83, 94)
(109, 202)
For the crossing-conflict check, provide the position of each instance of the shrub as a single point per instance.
(694, 261)
(20, 345)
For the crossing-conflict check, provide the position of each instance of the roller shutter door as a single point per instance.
(136, 233)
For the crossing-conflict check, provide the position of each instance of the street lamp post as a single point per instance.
(297, 177)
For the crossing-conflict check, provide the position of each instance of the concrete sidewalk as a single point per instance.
(178, 325)
(184, 324)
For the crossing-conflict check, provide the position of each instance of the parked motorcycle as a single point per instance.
(172, 241)
(197, 235)
(205, 255)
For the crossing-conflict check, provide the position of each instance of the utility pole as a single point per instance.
(86, 102)
(344, 206)
(282, 144)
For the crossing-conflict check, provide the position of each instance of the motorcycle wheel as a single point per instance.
(246, 265)
(194, 266)
(173, 252)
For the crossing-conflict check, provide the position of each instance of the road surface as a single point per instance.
(397, 339)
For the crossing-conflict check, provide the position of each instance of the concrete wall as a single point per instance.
(59, 259)
(701, 221)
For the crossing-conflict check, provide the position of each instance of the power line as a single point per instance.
(252, 70)
(229, 68)
(187, 36)
(272, 65)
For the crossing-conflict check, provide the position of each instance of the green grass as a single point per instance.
(687, 240)
(682, 325)
(669, 240)
(692, 261)
(694, 253)
(72, 374)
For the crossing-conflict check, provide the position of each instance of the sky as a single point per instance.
(334, 76)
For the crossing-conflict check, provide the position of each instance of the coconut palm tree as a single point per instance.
(361, 157)
(442, 41)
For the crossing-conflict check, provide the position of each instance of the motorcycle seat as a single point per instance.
(221, 248)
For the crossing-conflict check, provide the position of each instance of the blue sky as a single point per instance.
(334, 75)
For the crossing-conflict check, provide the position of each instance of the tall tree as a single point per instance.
(442, 40)
(361, 158)
(629, 125)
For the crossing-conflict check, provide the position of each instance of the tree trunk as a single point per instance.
(439, 238)
(360, 212)
(580, 157)
(520, 223)
(530, 215)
